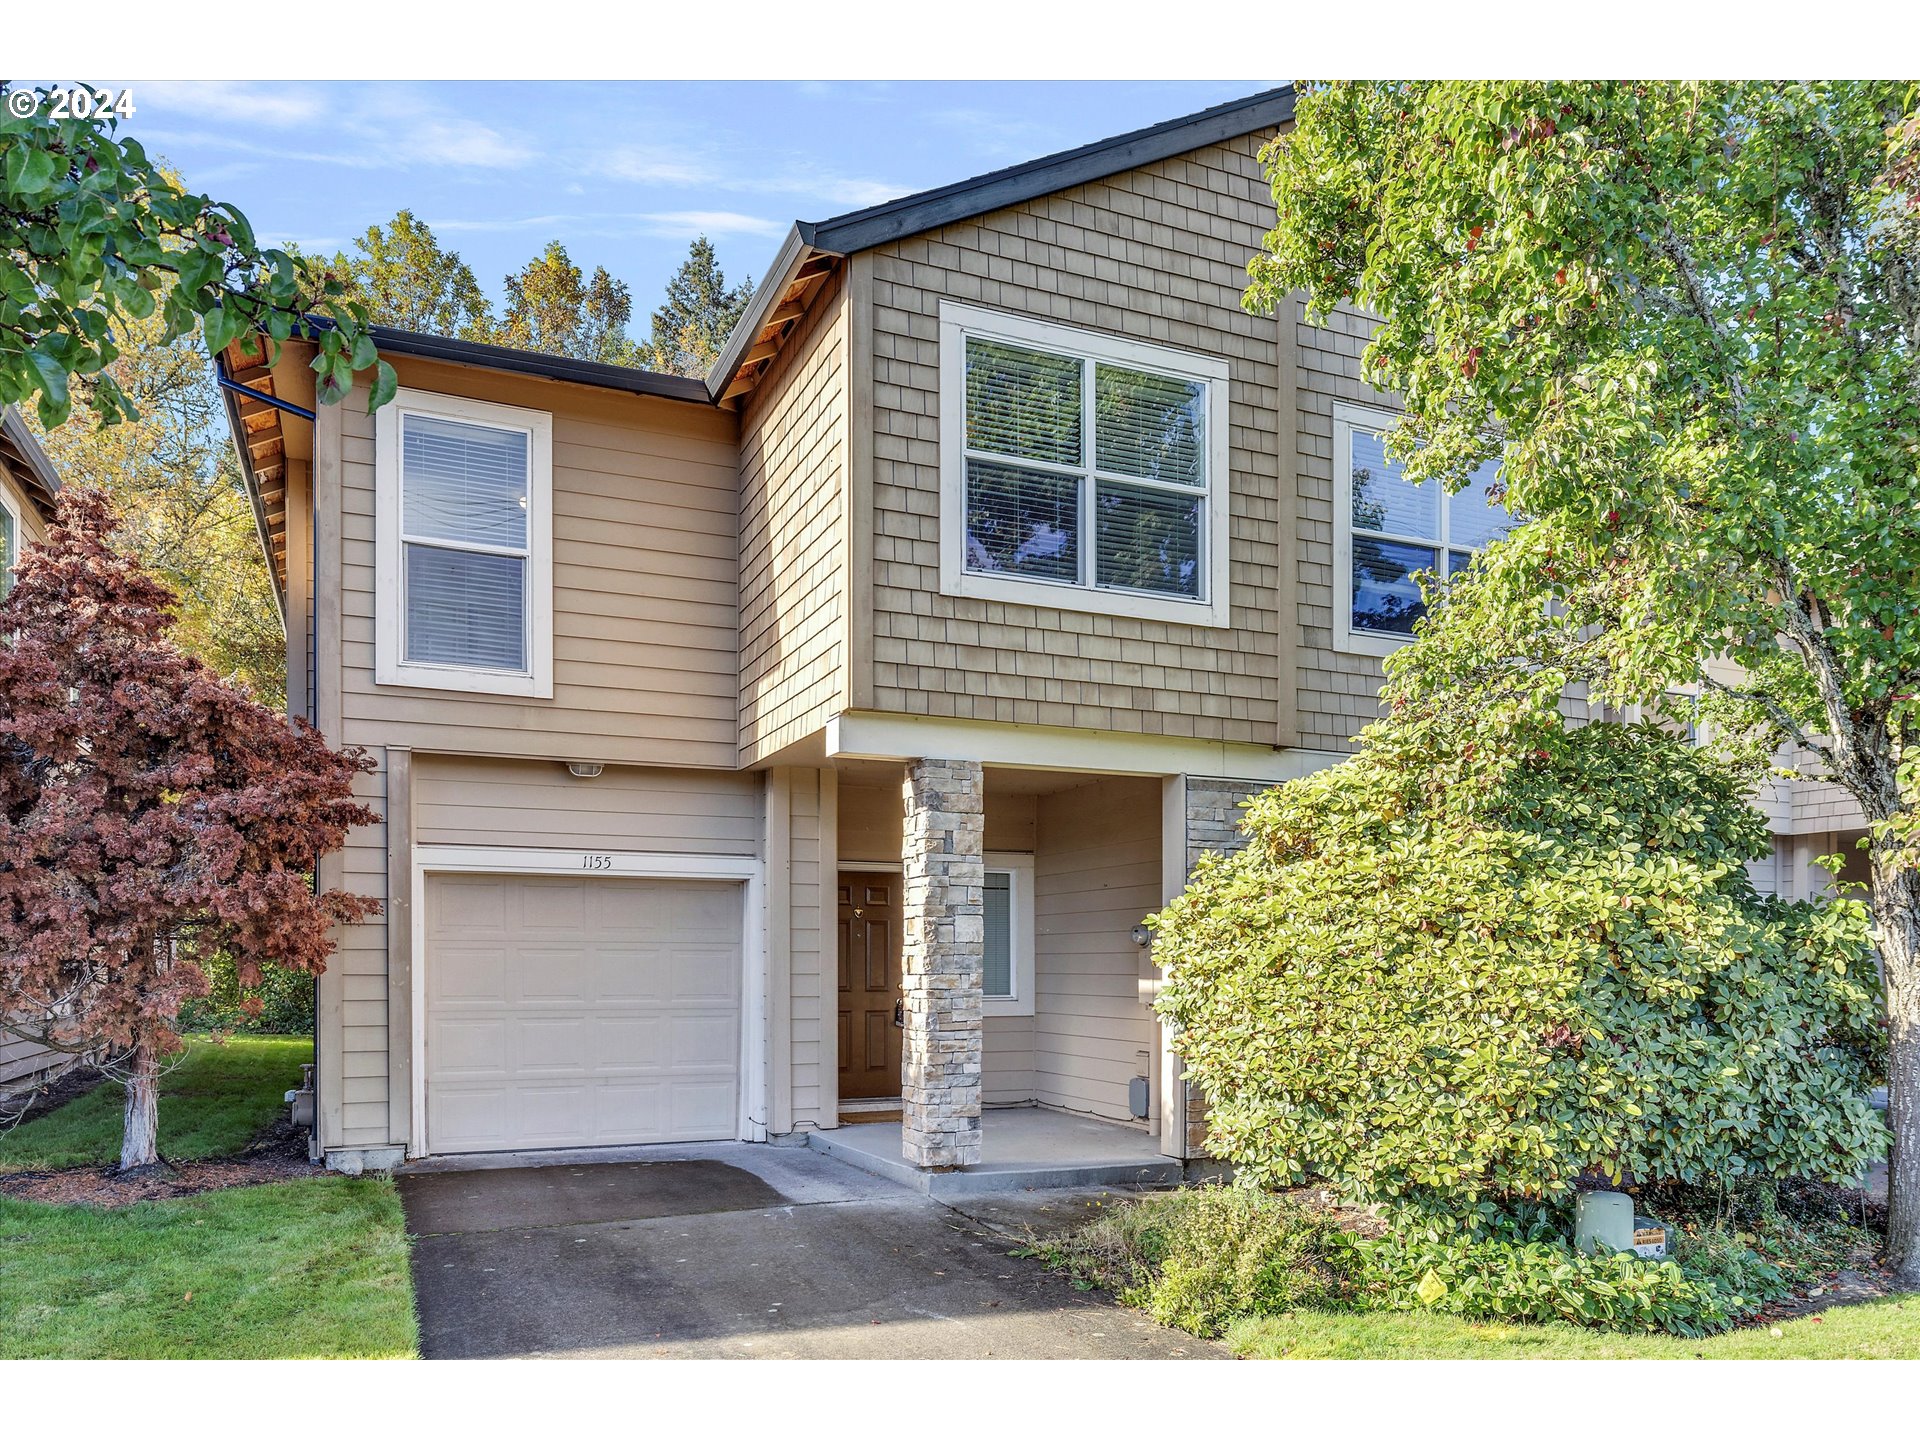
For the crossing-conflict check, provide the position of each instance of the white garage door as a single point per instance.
(564, 1012)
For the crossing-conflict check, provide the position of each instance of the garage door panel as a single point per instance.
(551, 1046)
(630, 1113)
(469, 1049)
(635, 973)
(458, 904)
(704, 1041)
(700, 1109)
(628, 1044)
(597, 1011)
(469, 972)
(553, 973)
(552, 905)
(706, 972)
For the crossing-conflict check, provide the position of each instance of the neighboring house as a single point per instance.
(813, 738)
(28, 485)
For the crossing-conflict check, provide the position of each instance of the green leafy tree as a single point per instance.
(95, 235)
(1686, 317)
(691, 329)
(555, 307)
(1488, 956)
(183, 512)
(406, 280)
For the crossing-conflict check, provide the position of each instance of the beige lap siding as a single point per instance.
(1156, 254)
(793, 583)
(645, 585)
(351, 1027)
(467, 800)
(1096, 875)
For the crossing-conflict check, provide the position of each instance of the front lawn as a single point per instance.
(216, 1099)
(1877, 1330)
(307, 1268)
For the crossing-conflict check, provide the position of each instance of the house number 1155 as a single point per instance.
(596, 862)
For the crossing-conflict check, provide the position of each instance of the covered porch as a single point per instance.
(995, 989)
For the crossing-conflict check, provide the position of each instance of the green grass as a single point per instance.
(1879, 1330)
(212, 1103)
(305, 1268)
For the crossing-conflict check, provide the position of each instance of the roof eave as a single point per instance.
(910, 215)
(44, 479)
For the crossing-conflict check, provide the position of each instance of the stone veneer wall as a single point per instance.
(943, 857)
(1213, 823)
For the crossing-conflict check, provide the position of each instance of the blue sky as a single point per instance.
(625, 174)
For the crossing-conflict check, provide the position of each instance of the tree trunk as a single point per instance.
(1896, 913)
(140, 1125)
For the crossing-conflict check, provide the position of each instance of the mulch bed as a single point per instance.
(279, 1154)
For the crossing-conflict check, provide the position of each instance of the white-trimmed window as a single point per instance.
(1388, 531)
(11, 535)
(1080, 470)
(1007, 948)
(463, 546)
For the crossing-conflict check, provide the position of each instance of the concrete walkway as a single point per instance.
(747, 1251)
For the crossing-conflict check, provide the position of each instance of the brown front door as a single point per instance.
(869, 985)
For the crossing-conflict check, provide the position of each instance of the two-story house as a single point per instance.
(812, 739)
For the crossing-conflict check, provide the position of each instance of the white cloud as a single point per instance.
(709, 170)
(363, 127)
(689, 223)
(673, 223)
(279, 106)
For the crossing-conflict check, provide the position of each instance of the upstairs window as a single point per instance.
(1081, 471)
(1388, 531)
(464, 550)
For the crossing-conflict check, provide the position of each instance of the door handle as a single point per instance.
(899, 1014)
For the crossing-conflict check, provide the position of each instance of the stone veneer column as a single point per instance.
(941, 961)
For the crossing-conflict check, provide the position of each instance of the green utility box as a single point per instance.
(1603, 1220)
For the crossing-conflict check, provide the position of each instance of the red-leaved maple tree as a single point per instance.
(149, 812)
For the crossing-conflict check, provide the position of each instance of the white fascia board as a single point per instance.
(861, 735)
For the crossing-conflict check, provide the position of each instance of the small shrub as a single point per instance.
(1521, 1267)
(1200, 1258)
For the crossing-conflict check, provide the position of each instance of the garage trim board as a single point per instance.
(748, 872)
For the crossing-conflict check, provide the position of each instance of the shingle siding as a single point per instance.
(1155, 254)
(793, 556)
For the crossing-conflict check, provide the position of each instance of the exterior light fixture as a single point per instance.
(584, 769)
(1142, 936)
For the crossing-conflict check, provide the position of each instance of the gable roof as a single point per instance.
(23, 459)
(811, 247)
(964, 199)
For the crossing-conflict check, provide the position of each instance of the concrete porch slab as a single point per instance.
(1027, 1149)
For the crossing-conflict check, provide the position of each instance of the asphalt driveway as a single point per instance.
(751, 1252)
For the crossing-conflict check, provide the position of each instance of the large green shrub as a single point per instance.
(1478, 960)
